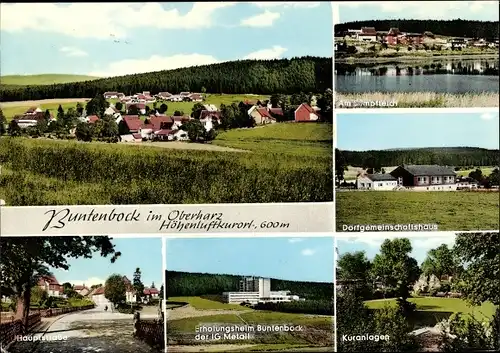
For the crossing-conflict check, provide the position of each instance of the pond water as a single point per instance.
(450, 76)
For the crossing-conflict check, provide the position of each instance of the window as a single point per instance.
(380, 184)
(419, 179)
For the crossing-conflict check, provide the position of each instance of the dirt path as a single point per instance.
(87, 331)
(42, 101)
(188, 311)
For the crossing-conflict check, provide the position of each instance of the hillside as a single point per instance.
(43, 79)
(452, 28)
(286, 76)
(197, 284)
(452, 156)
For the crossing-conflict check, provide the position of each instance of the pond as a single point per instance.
(441, 76)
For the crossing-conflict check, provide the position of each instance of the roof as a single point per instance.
(277, 111)
(370, 31)
(436, 170)
(79, 287)
(185, 93)
(380, 177)
(164, 94)
(308, 107)
(98, 291)
(264, 112)
(93, 118)
(50, 280)
(133, 123)
(206, 113)
(394, 31)
(138, 105)
(158, 121)
(31, 110)
(181, 118)
(195, 95)
(164, 132)
(112, 93)
(151, 291)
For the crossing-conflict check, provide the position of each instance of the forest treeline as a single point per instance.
(283, 76)
(453, 28)
(451, 156)
(181, 284)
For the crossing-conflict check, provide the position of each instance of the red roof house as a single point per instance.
(305, 113)
(93, 119)
(133, 123)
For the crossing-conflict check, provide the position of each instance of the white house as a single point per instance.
(112, 111)
(376, 182)
(367, 34)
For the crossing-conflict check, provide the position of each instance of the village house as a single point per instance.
(178, 121)
(171, 135)
(261, 116)
(81, 289)
(305, 113)
(426, 177)
(31, 118)
(133, 123)
(129, 291)
(207, 118)
(50, 285)
(135, 137)
(466, 183)
(175, 98)
(163, 95)
(376, 182)
(150, 293)
(141, 107)
(367, 34)
(33, 111)
(113, 95)
(456, 43)
(112, 111)
(91, 119)
(184, 94)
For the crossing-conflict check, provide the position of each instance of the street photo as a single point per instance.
(81, 294)
(239, 110)
(249, 294)
(417, 171)
(416, 54)
(418, 292)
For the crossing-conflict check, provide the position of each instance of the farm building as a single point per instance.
(426, 177)
(261, 116)
(305, 113)
(376, 182)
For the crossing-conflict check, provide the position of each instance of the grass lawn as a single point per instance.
(206, 304)
(432, 310)
(485, 170)
(44, 79)
(452, 211)
(190, 324)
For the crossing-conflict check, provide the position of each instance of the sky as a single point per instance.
(110, 39)
(360, 132)
(144, 253)
(371, 243)
(417, 10)
(299, 259)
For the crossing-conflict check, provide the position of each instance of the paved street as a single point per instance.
(92, 330)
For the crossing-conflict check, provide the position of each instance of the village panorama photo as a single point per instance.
(103, 114)
(417, 172)
(81, 294)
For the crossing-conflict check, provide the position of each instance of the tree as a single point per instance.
(178, 113)
(194, 129)
(394, 266)
(196, 110)
(163, 108)
(325, 103)
(340, 165)
(353, 266)
(477, 175)
(161, 291)
(138, 285)
(133, 110)
(153, 285)
(79, 108)
(479, 254)
(60, 115)
(115, 290)
(14, 129)
(83, 132)
(94, 286)
(3, 122)
(439, 262)
(494, 177)
(97, 105)
(119, 105)
(203, 90)
(70, 118)
(25, 259)
(148, 109)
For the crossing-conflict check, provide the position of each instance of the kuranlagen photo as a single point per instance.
(81, 294)
(418, 292)
(166, 103)
(427, 170)
(249, 294)
(416, 54)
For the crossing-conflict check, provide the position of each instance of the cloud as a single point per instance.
(489, 116)
(265, 19)
(267, 54)
(420, 9)
(102, 20)
(308, 252)
(288, 4)
(154, 63)
(88, 282)
(72, 51)
(295, 240)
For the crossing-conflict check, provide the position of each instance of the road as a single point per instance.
(94, 330)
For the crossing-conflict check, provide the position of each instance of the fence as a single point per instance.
(10, 327)
(150, 331)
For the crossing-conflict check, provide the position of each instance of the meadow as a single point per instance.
(51, 172)
(43, 79)
(317, 330)
(451, 211)
(10, 109)
(420, 99)
(431, 310)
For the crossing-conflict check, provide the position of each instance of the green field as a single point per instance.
(431, 310)
(59, 172)
(485, 170)
(451, 211)
(10, 109)
(317, 330)
(44, 79)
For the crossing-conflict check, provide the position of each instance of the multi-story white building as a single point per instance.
(254, 290)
